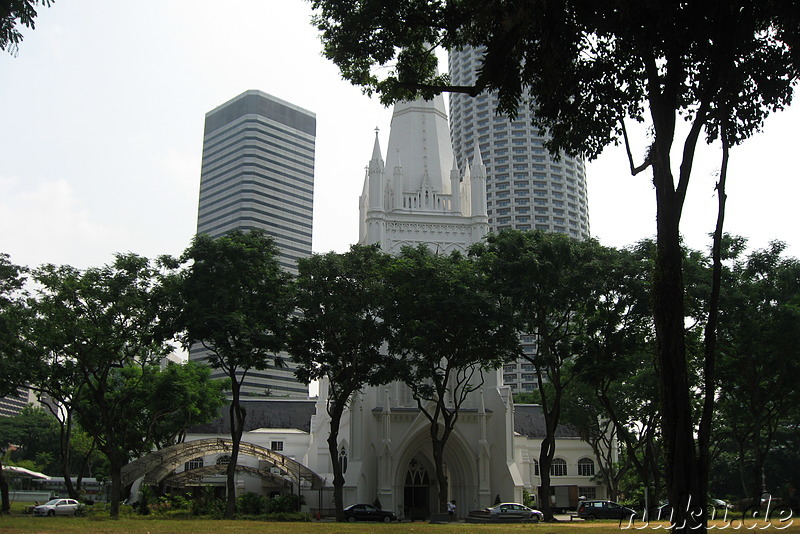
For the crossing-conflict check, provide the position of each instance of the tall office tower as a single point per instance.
(526, 188)
(258, 172)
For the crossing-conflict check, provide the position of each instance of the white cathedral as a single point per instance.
(419, 195)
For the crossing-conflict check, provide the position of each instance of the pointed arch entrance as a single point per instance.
(417, 490)
(415, 484)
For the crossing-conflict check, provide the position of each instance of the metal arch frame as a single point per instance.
(184, 478)
(159, 464)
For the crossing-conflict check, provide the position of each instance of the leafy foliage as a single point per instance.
(589, 67)
(13, 325)
(551, 282)
(338, 333)
(445, 328)
(232, 299)
(96, 334)
(14, 13)
(760, 359)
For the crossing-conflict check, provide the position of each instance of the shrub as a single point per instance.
(251, 504)
(145, 496)
(207, 504)
(286, 503)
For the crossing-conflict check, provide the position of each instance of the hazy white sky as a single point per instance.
(101, 124)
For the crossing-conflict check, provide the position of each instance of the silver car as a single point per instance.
(514, 511)
(59, 507)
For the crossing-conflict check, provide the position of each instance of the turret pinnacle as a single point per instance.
(376, 163)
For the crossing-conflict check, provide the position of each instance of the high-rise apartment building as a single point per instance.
(526, 187)
(258, 172)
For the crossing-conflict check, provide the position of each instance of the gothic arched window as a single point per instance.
(343, 460)
(417, 475)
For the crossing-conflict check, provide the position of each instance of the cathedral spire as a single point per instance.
(419, 130)
(376, 163)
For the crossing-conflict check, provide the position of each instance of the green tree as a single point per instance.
(550, 281)
(13, 324)
(233, 300)
(616, 365)
(178, 397)
(152, 407)
(590, 67)
(95, 325)
(35, 436)
(582, 411)
(338, 334)
(446, 327)
(760, 319)
(12, 14)
(53, 371)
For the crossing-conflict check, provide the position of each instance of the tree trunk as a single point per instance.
(682, 473)
(66, 456)
(6, 502)
(545, 461)
(237, 415)
(437, 445)
(333, 450)
(758, 472)
(710, 335)
(116, 485)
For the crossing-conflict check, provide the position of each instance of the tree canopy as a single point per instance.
(446, 327)
(232, 301)
(586, 68)
(339, 332)
(760, 358)
(551, 282)
(90, 325)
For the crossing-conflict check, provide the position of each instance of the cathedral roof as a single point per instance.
(275, 413)
(529, 422)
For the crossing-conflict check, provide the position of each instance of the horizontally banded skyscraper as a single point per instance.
(526, 188)
(258, 172)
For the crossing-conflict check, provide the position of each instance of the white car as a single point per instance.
(59, 507)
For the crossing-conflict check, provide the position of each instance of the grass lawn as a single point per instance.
(79, 525)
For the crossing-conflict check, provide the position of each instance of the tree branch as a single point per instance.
(647, 161)
(471, 90)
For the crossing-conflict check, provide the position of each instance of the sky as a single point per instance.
(101, 126)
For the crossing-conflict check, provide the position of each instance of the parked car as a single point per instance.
(367, 512)
(603, 510)
(59, 507)
(513, 510)
(719, 504)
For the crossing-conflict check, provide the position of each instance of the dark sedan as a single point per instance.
(367, 512)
